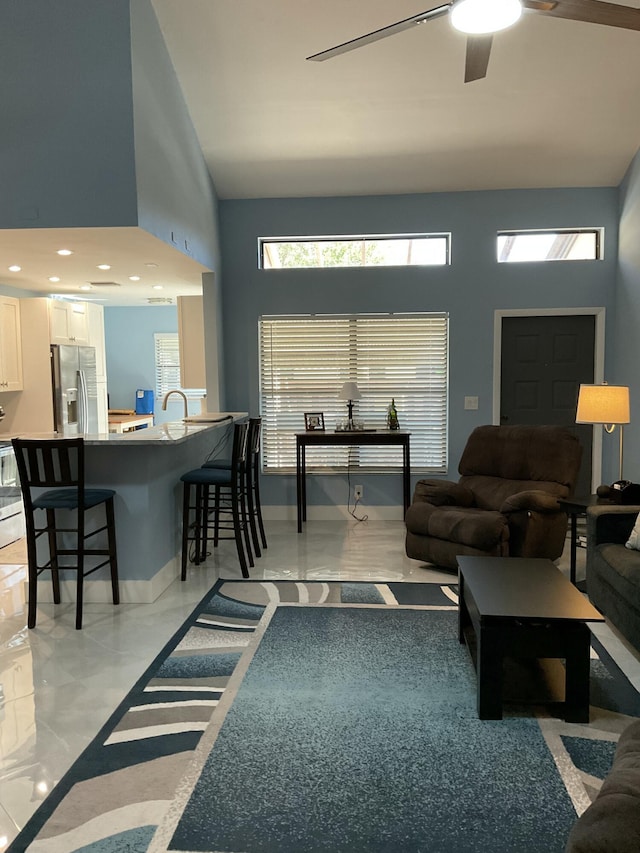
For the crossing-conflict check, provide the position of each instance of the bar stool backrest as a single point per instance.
(240, 445)
(255, 428)
(55, 463)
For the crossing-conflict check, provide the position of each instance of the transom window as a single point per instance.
(304, 362)
(374, 250)
(577, 244)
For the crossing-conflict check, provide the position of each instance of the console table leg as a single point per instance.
(299, 484)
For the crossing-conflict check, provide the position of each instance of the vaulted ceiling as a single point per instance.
(559, 105)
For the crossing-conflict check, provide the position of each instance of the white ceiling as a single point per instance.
(558, 108)
(128, 251)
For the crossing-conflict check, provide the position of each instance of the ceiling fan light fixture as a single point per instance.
(476, 17)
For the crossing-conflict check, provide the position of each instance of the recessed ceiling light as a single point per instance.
(65, 252)
(54, 278)
(14, 268)
(157, 287)
(85, 287)
(151, 266)
(134, 278)
(104, 266)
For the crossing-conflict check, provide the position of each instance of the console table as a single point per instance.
(359, 438)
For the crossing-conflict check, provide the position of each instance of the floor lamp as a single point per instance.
(607, 405)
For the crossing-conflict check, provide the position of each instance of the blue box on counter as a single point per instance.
(144, 402)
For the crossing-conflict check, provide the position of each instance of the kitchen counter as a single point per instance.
(173, 432)
(144, 468)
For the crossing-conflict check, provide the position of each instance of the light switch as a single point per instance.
(471, 402)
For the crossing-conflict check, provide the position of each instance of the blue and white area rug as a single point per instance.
(303, 717)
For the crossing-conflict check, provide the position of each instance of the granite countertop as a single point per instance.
(174, 432)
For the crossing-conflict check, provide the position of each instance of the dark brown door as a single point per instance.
(544, 360)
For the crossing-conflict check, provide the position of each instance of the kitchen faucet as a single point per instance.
(182, 394)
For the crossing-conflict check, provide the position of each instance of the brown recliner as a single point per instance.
(504, 504)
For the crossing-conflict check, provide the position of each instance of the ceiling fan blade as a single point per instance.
(382, 33)
(478, 52)
(539, 5)
(591, 12)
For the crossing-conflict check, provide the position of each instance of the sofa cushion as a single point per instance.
(480, 529)
(611, 824)
(634, 537)
(620, 566)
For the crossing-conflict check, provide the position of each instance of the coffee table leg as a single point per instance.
(578, 663)
(489, 674)
(464, 620)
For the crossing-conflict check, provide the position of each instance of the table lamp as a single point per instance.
(350, 392)
(604, 404)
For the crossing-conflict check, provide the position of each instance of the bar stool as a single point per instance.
(251, 483)
(58, 465)
(229, 508)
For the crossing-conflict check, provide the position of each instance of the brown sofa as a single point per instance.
(611, 824)
(505, 503)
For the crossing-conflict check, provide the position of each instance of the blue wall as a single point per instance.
(131, 357)
(176, 199)
(67, 133)
(470, 289)
(625, 341)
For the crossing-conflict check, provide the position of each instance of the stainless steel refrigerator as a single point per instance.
(75, 397)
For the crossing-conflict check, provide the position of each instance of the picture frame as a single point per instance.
(313, 421)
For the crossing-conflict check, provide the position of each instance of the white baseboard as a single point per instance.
(333, 513)
(99, 591)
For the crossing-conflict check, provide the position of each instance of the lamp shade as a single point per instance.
(484, 16)
(350, 391)
(603, 404)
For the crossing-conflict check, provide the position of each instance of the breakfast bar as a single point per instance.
(144, 467)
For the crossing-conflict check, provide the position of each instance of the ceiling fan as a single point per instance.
(480, 19)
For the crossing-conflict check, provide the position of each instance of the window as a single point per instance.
(380, 250)
(304, 361)
(167, 352)
(578, 244)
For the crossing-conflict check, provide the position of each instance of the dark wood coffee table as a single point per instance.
(524, 608)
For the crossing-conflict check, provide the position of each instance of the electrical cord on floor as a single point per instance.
(352, 512)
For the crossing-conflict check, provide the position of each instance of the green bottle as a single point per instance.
(392, 416)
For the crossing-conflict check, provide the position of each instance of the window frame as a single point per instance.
(420, 361)
(597, 231)
(160, 380)
(350, 238)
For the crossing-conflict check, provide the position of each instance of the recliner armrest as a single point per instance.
(534, 500)
(442, 493)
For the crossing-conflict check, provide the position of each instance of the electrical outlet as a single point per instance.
(357, 493)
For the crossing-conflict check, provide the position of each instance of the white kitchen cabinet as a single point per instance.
(10, 345)
(103, 408)
(191, 340)
(68, 322)
(95, 322)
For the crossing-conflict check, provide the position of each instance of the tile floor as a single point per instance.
(58, 685)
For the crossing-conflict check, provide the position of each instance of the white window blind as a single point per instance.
(167, 353)
(305, 360)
